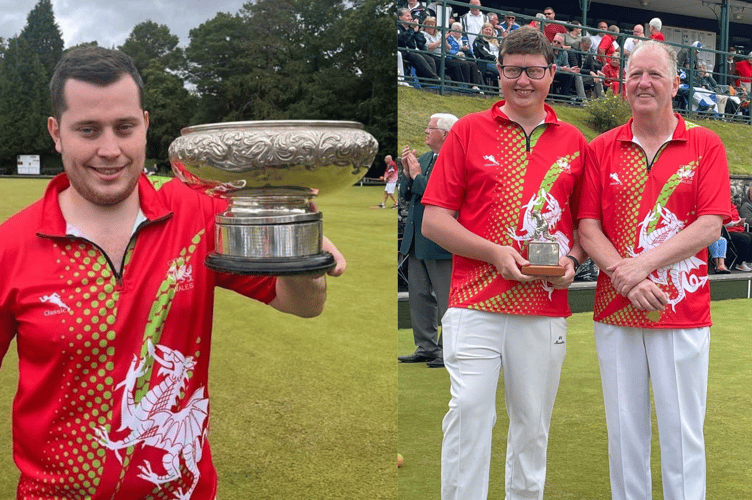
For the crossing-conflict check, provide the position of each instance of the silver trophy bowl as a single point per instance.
(270, 172)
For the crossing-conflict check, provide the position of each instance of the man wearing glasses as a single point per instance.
(500, 173)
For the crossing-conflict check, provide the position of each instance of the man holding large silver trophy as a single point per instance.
(108, 281)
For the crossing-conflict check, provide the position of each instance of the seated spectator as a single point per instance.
(573, 35)
(459, 42)
(654, 26)
(614, 74)
(508, 25)
(459, 49)
(590, 77)
(486, 50)
(718, 250)
(564, 77)
(608, 44)
(410, 39)
(741, 239)
(434, 42)
(745, 209)
(418, 10)
(706, 81)
(743, 70)
(536, 23)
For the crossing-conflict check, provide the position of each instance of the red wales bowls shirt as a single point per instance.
(641, 206)
(499, 180)
(112, 401)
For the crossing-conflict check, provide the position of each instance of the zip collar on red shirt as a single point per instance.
(498, 114)
(680, 132)
(53, 224)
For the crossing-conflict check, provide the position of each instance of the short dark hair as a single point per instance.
(527, 41)
(95, 65)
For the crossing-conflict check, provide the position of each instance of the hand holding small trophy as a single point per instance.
(543, 251)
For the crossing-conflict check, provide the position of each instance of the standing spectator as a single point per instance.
(654, 26)
(683, 57)
(418, 10)
(596, 38)
(549, 28)
(633, 42)
(486, 50)
(608, 44)
(654, 197)
(443, 14)
(410, 39)
(508, 25)
(473, 21)
(390, 177)
(743, 70)
(590, 75)
(434, 42)
(730, 67)
(489, 182)
(565, 73)
(573, 35)
(429, 267)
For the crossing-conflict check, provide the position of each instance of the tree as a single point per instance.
(43, 35)
(170, 108)
(24, 102)
(149, 42)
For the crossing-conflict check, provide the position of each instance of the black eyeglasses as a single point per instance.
(532, 72)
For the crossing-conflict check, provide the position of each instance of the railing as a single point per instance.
(689, 100)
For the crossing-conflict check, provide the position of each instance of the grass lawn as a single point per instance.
(578, 448)
(301, 409)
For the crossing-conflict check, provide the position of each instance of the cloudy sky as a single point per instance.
(110, 23)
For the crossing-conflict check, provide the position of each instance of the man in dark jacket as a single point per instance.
(429, 266)
(410, 39)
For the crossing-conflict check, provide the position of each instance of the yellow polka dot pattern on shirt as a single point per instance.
(73, 454)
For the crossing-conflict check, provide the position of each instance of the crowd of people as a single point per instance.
(469, 44)
(628, 200)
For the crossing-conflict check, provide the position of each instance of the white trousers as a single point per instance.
(477, 345)
(676, 363)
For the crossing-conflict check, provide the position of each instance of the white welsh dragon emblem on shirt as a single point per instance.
(548, 207)
(665, 225)
(154, 422)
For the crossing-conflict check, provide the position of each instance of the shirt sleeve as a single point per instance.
(446, 185)
(592, 188)
(261, 288)
(713, 184)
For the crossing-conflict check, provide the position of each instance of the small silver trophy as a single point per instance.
(270, 171)
(543, 250)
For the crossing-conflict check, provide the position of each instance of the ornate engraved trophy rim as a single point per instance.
(273, 124)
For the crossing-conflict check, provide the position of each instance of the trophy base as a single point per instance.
(543, 270)
(271, 266)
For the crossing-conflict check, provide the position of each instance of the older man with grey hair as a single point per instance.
(654, 26)
(654, 197)
(429, 267)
